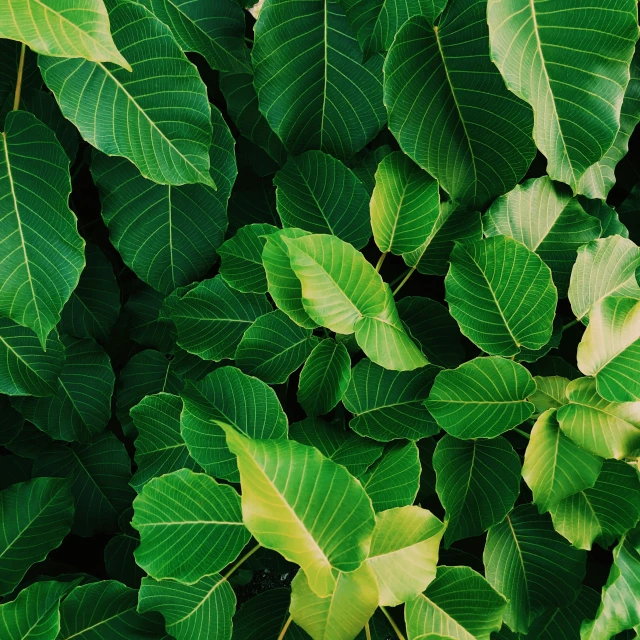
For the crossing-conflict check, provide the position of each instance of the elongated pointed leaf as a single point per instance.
(501, 314)
(481, 398)
(452, 114)
(148, 109)
(477, 482)
(287, 507)
(41, 248)
(533, 45)
(314, 91)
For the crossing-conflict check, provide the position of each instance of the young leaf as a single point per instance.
(286, 507)
(139, 115)
(481, 398)
(532, 566)
(43, 254)
(452, 114)
(477, 482)
(533, 45)
(320, 194)
(501, 314)
(190, 526)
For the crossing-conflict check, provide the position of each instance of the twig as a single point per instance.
(245, 557)
(393, 624)
(367, 631)
(524, 434)
(405, 279)
(284, 629)
(573, 323)
(16, 98)
(381, 260)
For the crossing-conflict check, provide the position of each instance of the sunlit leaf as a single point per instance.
(550, 393)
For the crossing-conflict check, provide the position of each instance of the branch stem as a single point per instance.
(16, 98)
(394, 626)
(524, 434)
(284, 629)
(367, 631)
(573, 323)
(381, 260)
(409, 274)
(244, 558)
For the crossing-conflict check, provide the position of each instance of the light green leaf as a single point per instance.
(314, 90)
(534, 45)
(458, 604)
(202, 610)
(610, 348)
(388, 404)
(451, 113)
(42, 250)
(546, 219)
(273, 347)
(237, 399)
(534, 567)
(241, 257)
(604, 267)
(70, 29)
(190, 526)
(482, 398)
(81, 406)
(532, 355)
(25, 369)
(501, 314)
(554, 466)
(404, 553)
(602, 512)
(607, 429)
(160, 448)
(145, 321)
(550, 393)
(139, 115)
(287, 506)
(94, 305)
(36, 516)
(212, 318)
(99, 474)
(319, 194)
(393, 480)
(478, 482)
(214, 30)
(324, 378)
(168, 235)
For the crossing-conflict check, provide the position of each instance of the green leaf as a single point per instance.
(531, 355)
(404, 203)
(145, 323)
(501, 314)
(457, 604)
(341, 615)
(318, 193)
(119, 560)
(273, 347)
(139, 115)
(106, 610)
(313, 89)
(607, 429)
(11, 422)
(160, 448)
(451, 113)
(554, 466)
(393, 480)
(603, 511)
(202, 610)
(550, 392)
(43, 252)
(36, 516)
(610, 348)
(324, 378)
(286, 507)
(251, 204)
(168, 235)
(404, 553)
(99, 474)
(29, 444)
(94, 305)
(365, 164)
(237, 399)
(214, 30)
(25, 369)
(604, 267)
(212, 318)
(478, 482)
(481, 398)
(81, 406)
(534, 45)
(388, 404)
(609, 219)
(344, 447)
(534, 567)
(190, 526)
(546, 219)
(70, 29)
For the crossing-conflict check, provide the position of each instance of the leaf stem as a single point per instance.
(16, 98)
(284, 629)
(573, 323)
(524, 434)
(393, 624)
(381, 260)
(367, 631)
(409, 274)
(245, 557)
